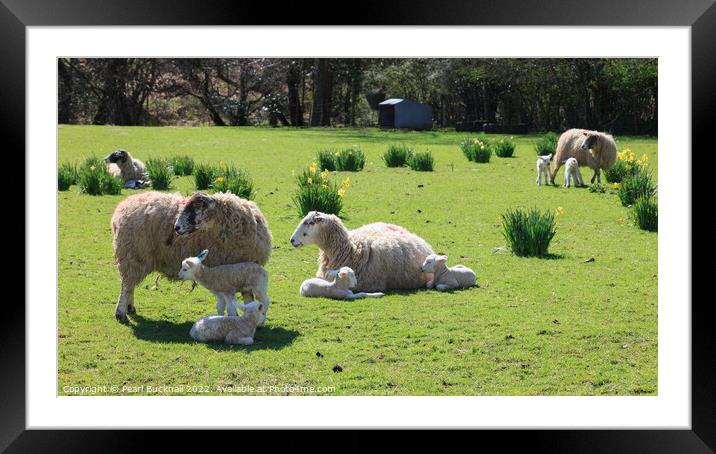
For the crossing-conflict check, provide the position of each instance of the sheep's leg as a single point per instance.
(442, 287)
(430, 284)
(553, 174)
(220, 303)
(156, 282)
(539, 176)
(126, 296)
(265, 300)
(234, 338)
(599, 176)
(596, 174)
(129, 277)
(367, 295)
(231, 305)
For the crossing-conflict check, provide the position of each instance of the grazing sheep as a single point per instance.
(572, 174)
(383, 256)
(445, 278)
(153, 231)
(230, 330)
(339, 289)
(596, 150)
(124, 166)
(543, 169)
(225, 281)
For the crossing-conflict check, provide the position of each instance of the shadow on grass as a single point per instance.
(168, 332)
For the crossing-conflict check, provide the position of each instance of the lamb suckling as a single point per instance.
(340, 288)
(230, 330)
(445, 278)
(572, 175)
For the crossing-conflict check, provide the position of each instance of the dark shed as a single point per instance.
(397, 113)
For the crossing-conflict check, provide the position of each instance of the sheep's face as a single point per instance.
(345, 274)
(590, 139)
(433, 262)
(196, 215)
(188, 268)
(545, 160)
(118, 156)
(307, 230)
(254, 310)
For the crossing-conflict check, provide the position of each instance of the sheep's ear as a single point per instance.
(202, 255)
(318, 217)
(261, 307)
(442, 259)
(342, 274)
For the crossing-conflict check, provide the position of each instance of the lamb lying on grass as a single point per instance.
(572, 175)
(445, 278)
(225, 281)
(230, 330)
(543, 169)
(129, 169)
(339, 289)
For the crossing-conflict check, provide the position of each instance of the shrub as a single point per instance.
(646, 213)
(636, 186)
(160, 173)
(597, 188)
(233, 180)
(309, 176)
(182, 165)
(204, 175)
(326, 160)
(317, 193)
(476, 149)
(505, 148)
(397, 155)
(422, 162)
(547, 144)
(93, 178)
(350, 159)
(66, 176)
(626, 166)
(528, 233)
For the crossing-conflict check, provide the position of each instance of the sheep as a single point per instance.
(339, 289)
(225, 281)
(572, 174)
(445, 278)
(383, 256)
(153, 231)
(124, 166)
(230, 330)
(543, 169)
(596, 150)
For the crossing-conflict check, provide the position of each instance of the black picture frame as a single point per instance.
(700, 15)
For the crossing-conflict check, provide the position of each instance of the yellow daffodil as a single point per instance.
(644, 157)
(560, 211)
(220, 180)
(221, 163)
(347, 182)
(324, 174)
(616, 185)
(337, 153)
(341, 192)
(309, 180)
(93, 168)
(313, 168)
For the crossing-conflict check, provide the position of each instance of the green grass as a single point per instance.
(536, 326)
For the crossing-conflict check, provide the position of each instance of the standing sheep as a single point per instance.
(572, 175)
(596, 150)
(153, 231)
(383, 256)
(124, 166)
(543, 169)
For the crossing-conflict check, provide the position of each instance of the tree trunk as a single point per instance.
(293, 80)
(322, 88)
(65, 111)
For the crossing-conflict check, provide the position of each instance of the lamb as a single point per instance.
(543, 169)
(445, 278)
(339, 289)
(124, 166)
(596, 150)
(224, 281)
(572, 174)
(383, 256)
(153, 231)
(230, 330)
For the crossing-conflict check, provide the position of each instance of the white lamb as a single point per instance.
(225, 281)
(339, 289)
(231, 330)
(445, 278)
(572, 175)
(543, 169)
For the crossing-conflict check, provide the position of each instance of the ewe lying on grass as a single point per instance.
(596, 150)
(225, 281)
(543, 169)
(231, 330)
(124, 166)
(445, 278)
(572, 175)
(153, 231)
(383, 256)
(339, 289)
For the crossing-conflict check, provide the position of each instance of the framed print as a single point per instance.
(449, 211)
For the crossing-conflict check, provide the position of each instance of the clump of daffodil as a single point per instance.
(477, 149)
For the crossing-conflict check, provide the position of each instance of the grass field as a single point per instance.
(554, 326)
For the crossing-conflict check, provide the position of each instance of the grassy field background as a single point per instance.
(553, 326)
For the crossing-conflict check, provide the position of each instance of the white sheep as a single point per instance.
(383, 256)
(572, 175)
(230, 330)
(129, 169)
(445, 278)
(596, 150)
(543, 169)
(340, 288)
(225, 281)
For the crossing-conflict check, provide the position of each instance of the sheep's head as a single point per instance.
(307, 230)
(433, 262)
(345, 274)
(197, 214)
(590, 139)
(545, 160)
(254, 309)
(190, 265)
(117, 156)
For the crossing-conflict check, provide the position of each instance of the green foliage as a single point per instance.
(646, 213)
(316, 192)
(308, 176)
(94, 178)
(231, 179)
(597, 188)
(528, 233)
(547, 144)
(505, 148)
(204, 175)
(636, 186)
(326, 160)
(422, 161)
(66, 176)
(620, 171)
(397, 155)
(160, 173)
(477, 149)
(182, 165)
(350, 159)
